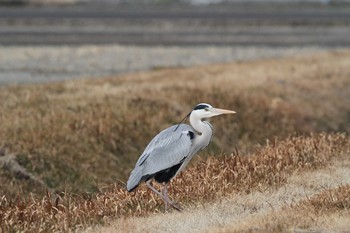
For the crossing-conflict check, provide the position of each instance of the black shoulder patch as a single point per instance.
(200, 106)
(191, 134)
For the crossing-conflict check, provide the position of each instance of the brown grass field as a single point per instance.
(79, 140)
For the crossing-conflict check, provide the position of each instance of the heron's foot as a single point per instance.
(176, 206)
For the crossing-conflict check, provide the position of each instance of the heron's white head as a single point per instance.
(201, 112)
(205, 111)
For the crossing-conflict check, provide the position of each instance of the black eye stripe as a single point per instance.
(201, 106)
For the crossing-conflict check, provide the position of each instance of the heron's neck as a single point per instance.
(203, 128)
(204, 132)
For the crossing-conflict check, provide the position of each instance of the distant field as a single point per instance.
(79, 138)
(167, 23)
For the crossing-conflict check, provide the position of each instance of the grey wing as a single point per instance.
(170, 147)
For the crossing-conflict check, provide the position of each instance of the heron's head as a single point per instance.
(205, 111)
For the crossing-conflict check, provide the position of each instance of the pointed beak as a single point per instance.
(219, 111)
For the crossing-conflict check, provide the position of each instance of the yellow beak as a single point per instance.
(220, 111)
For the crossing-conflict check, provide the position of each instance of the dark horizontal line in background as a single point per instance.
(80, 40)
(194, 34)
(64, 26)
(39, 13)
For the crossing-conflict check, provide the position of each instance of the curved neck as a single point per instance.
(203, 133)
(202, 128)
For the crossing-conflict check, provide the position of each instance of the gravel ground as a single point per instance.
(33, 64)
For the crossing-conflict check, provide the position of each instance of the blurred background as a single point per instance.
(50, 40)
(283, 65)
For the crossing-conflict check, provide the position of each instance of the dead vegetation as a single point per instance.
(330, 200)
(82, 136)
(274, 209)
(79, 136)
(327, 211)
(9, 163)
(206, 181)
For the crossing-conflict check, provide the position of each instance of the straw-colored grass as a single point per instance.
(278, 208)
(206, 181)
(84, 136)
(327, 211)
(78, 136)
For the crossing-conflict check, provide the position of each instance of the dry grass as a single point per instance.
(81, 136)
(206, 181)
(327, 211)
(330, 200)
(270, 210)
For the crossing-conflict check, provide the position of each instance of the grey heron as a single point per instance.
(169, 152)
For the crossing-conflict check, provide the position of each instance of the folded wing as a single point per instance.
(164, 154)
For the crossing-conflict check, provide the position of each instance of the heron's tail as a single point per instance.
(134, 179)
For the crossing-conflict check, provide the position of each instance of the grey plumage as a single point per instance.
(169, 152)
(168, 148)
